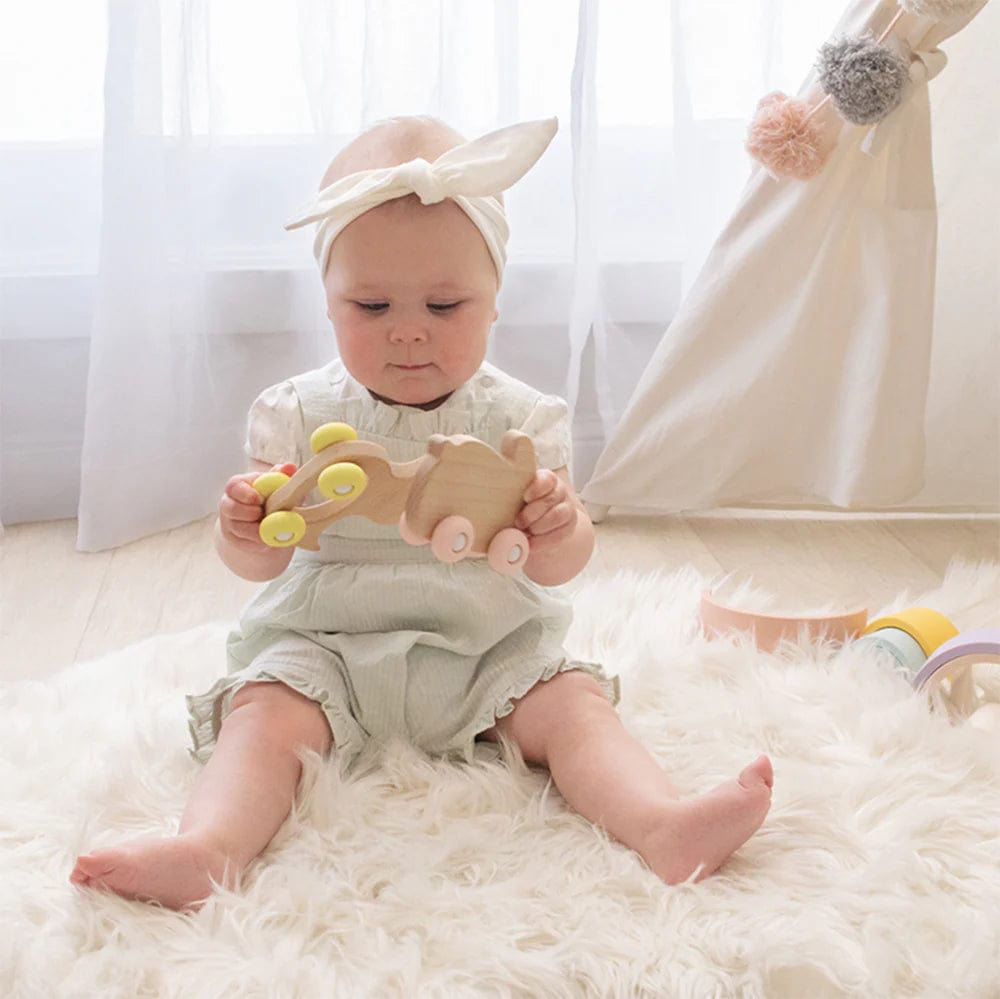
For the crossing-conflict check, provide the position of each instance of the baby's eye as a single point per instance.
(442, 306)
(373, 306)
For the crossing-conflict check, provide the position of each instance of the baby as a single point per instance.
(370, 638)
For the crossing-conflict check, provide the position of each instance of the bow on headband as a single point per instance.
(472, 175)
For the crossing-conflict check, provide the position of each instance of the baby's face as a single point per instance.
(411, 291)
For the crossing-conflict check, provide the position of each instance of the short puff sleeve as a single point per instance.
(275, 426)
(548, 426)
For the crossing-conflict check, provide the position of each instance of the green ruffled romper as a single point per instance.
(385, 638)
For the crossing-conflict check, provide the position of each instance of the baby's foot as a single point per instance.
(705, 831)
(175, 871)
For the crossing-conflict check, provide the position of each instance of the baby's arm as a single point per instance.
(557, 524)
(236, 531)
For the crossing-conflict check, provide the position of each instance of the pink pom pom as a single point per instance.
(784, 139)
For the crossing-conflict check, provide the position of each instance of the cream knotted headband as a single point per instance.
(472, 175)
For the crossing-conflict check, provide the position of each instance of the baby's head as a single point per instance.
(411, 288)
(411, 241)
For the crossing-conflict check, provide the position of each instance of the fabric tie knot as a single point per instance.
(423, 179)
(472, 174)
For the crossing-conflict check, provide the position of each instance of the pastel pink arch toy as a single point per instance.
(769, 630)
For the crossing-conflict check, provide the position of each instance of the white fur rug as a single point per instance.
(877, 872)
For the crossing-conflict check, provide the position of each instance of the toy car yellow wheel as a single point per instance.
(344, 480)
(331, 433)
(269, 482)
(282, 529)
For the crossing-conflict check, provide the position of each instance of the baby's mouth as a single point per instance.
(412, 367)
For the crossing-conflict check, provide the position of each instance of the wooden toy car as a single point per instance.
(461, 496)
(465, 497)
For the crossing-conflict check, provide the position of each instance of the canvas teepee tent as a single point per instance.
(796, 370)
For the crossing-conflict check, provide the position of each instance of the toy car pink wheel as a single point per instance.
(408, 534)
(452, 538)
(508, 551)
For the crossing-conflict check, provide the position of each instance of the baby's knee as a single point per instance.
(571, 703)
(569, 695)
(283, 714)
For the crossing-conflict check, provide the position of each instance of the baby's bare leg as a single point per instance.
(607, 776)
(239, 802)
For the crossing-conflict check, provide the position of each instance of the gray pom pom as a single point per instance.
(939, 10)
(864, 80)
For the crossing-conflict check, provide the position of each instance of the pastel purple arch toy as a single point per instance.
(948, 673)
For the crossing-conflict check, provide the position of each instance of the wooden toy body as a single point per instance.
(462, 475)
(382, 501)
(459, 477)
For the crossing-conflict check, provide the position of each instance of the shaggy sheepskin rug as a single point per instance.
(877, 872)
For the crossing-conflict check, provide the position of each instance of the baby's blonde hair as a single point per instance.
(391, 141)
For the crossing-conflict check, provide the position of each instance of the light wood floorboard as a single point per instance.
(59, 606)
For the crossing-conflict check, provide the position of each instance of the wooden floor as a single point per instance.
(59, 606)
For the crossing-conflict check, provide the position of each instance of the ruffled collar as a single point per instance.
(453, 416)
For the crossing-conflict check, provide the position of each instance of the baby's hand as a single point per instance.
(549, 513)
(241, 510)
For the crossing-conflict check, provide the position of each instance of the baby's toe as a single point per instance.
(90, 866)
(757, 773)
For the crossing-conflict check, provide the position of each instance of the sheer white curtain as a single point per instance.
(148, 289)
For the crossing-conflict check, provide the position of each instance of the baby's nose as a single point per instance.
(409, 331)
